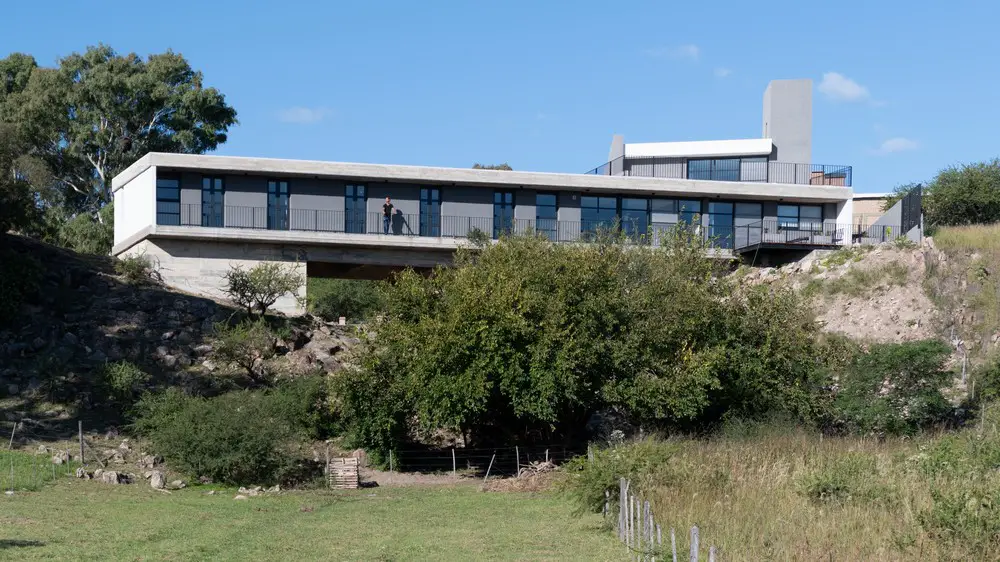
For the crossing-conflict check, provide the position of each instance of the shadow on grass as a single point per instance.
(14, 543)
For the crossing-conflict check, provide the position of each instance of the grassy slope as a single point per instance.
(89, 520)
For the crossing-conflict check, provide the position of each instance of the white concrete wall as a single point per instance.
(845, 218)
(135, 205)
(199, 267)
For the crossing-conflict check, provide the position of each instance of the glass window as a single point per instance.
(546, 214)
(663, 205)
(597, 213)
(430, 211)
(212, 201)
(719, 169)
(635, 216)
(277, 205)
(800, 217)
(689, 210)
(503, 213)
(168, 201)
(355, 208)
(720, 224)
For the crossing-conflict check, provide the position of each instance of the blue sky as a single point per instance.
(902, 90)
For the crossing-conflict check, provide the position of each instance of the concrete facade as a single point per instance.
(325, 227)
(788, 119)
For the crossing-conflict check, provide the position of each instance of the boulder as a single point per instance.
(114, 477)
(148, 461)
(157, 480)
(70, 338)
(240, 497)
(62, 457)
(202, 350)
(82, 473)
(38, 343)
(177, 484)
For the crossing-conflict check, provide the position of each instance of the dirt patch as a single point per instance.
(402, 479)
(531, 483)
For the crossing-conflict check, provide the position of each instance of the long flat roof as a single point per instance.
(473, 177)
(699, 149)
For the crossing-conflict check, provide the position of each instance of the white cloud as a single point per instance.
(304, 115)
(722, 72)
(688, 52)
(838, 87)
(897, 144)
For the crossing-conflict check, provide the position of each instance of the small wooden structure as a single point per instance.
(342, 473)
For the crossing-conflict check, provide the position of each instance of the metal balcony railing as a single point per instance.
(747, 170)
(763, 233)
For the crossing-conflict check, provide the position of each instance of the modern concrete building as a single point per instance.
(198, 215)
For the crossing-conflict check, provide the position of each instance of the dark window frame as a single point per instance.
(550, 226)
(274, 221)
(740, 160)
(785, 221)
(505, 225)
(355, 219)
(215, 216)
(177, 201)
(431, 227)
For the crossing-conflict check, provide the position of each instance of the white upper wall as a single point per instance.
(699, 149)
(135, 207)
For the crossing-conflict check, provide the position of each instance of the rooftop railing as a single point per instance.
(767, 232)
(734, 169)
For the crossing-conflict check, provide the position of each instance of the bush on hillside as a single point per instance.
(123, 382)
(258, 288)
(353, 299)
(242, 437)
(136, 269)
(893, 389)
(526, 337)
(247, 346)
(89, 234)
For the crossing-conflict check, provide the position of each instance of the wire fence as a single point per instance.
(22, 471)
(641, 535)
(505, 461)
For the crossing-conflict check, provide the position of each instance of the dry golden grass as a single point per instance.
(974, 238)
(750, 498)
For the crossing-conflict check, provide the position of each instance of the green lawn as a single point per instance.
(93, 521)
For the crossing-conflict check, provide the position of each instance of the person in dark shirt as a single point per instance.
(386, 214)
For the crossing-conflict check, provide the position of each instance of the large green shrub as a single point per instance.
(894, 388)
(966, 194)
(123, 382)
(353, 299)
(89, 234)
(643, 463)
(526, 337)
(242, 437)
(247, 346)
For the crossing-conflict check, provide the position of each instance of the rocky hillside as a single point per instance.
(83, 316)
(901, 292)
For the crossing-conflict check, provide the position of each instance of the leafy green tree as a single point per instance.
(258, 288)
(529, 338)
(966, 194)
(97, 112)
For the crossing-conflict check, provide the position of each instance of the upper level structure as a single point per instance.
(782, 155)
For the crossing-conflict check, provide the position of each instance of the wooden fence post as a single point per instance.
(490, 467)
(694, 544)
(517, 459)
(79, 425)
(454, 467)
(711, 554)
(673, 543)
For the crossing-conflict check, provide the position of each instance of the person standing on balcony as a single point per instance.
(386, 214)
